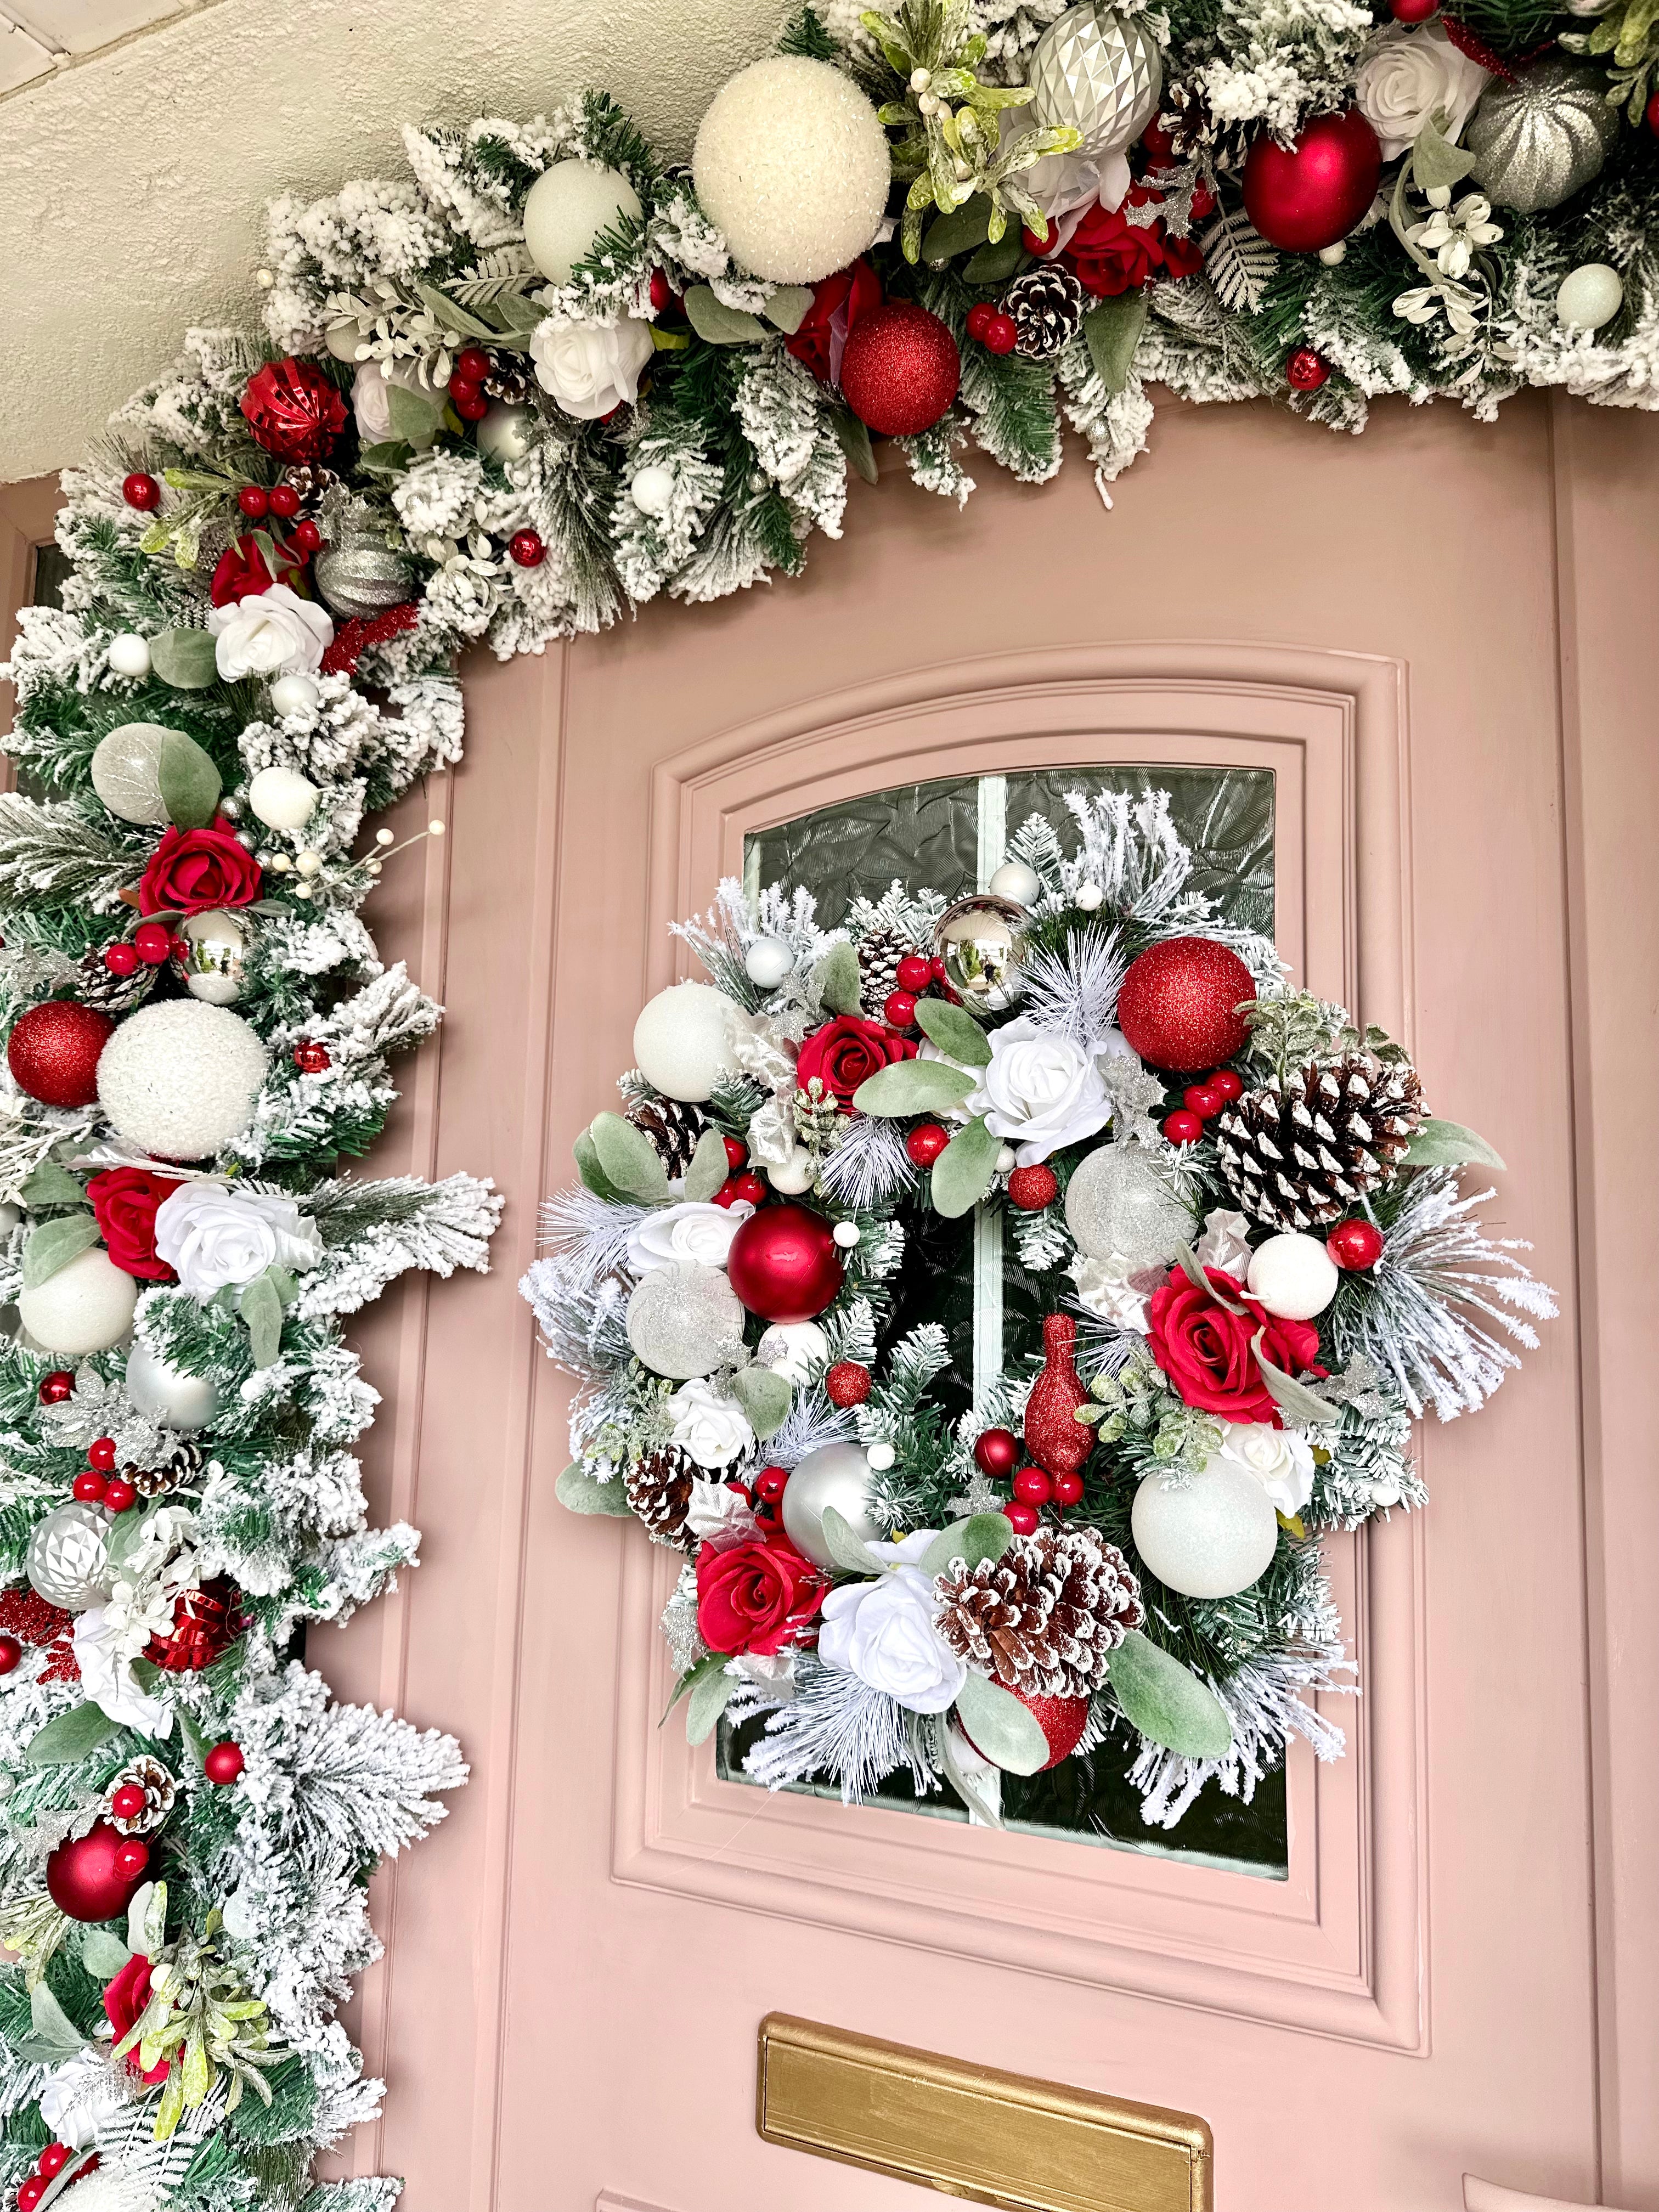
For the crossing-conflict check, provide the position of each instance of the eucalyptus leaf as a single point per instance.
(54, 1244)
(959, 231)
(1435, 161)
(388, 459)
(593, 1177)
(1299, 1405)
(102, 1953)
(854, 437)
(712, 1662)
(146, 1674)
(1167, 1702)
(629, 1159)
(188, 781)
(125, 1534)
(913, 1086)
(839, 983)
(848, 1552)
(999, 1727)
(965, 1170)
(1111, 330)
(50, 2025)
(577, 1489)
(194, 1742)
(285, 1283)
(994, 264)
(51, 1185)
(980, 1536)
(970, 1784)
(710, 1695)
(718, 325)
(1200, 1281)
(764, 1395)
(1450, 1145)
(787, 307)
(262, 1316)
(69, 1737)
(416, 420)
(185, 658)
(954, 1031)
(709, 1167)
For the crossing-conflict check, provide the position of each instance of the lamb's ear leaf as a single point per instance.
(1449, 1144)
(913, 1086)
(69, 1738)
(764, 1395)
(102, 1953)
(578, 1489)
(1298, 1404)
(716, 323)
(965, 1170)
(708, 1166)
(184, 659)
(593, 1177)
(854, 438)
(629, 1159)
(711, 1662)
(54, 1244)
(710, 1695)
(999, 1727)
(786, 308)
(979, 1792)
(51, 1185)
(1166, 1701)
(840, 984)
(850, 1552)
(954, 1031)
(981, 1536)
(261, 1310)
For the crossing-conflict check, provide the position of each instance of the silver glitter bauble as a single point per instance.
(1210, 1536)
(166, 1393)
(1118, 1205)
(68, 1557)
(126, 772)
(359, 575)
(685, 1321)
(1099, 71)
(834, 1475)
(1538, 140)
(979, 941)
(210, 952)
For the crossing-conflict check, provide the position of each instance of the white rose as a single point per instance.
(80, 2095)
(371, 397)
(211, 1237)
(711, 1428)
(1112, 1288)
(106, 1676)
(884, 1633)
(1040, 1091)
(591, 367)
(720, 1514)
(693, 1229)
(1406, 74)
(1281, 1462)
(792, 1349)
(271, 633)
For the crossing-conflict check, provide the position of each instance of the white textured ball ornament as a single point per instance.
(126, 772)
(1293, 1276)
(1119, 1207)
(506, 433)
(68, 1557)
(791, 163)
(683, 1040)
(1210, 1536)
(166, 1393)
(793, 1176)
(1590, 295)
(292, 694)
(684, 1321)
(767, 961)
(282, 797)
(834, 1475)
(653, 488)
(85, 1307)
(567, 208)
(1014, 880)
(129, 653)
(179, 1079)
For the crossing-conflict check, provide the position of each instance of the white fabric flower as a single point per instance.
(1281, 1461)
(694, 1229)
(1113, 1288)
(271, 633)
(1041, 1091)
(99, 1642)
(886, 1633)
(1406, 74)
(591, 367)
(720, 1514)
(370, 396)
(79, 2096)
(792, 1349)
(708, 1427)
(1224, 1243)
(212, 1237)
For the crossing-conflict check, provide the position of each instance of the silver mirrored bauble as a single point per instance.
(979, 941)
(1118, 1205)
(834, 1475)
(685, 1321)
(210, 952)
(126, 772)
(359, 574)
(1210, 1536)
(1098, 71)
(68, 1557)
(1540, 137)
(166, 1393)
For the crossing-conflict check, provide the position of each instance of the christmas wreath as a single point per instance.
(1257, 1269)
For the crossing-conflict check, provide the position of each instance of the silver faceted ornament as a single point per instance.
(359, 575)
(685, 1321)
(1119, 1207)
(210, 952)
(979, 940)
(834, 1475)
(1538, 140)
(1099, 71)
(68, 1557)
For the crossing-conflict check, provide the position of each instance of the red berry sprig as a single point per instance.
(141, 491)
(925, 1142)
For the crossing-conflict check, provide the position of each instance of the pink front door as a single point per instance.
(1421, 635)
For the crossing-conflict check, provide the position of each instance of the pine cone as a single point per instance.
(311, 480)
(659, 1491)
(160, 1790)
(94, 986)
(182, 1463)
(1044, 1619)
(1046, 304)
(506, 380)
(672, 1127)
(879, 954)
(1302, 1154)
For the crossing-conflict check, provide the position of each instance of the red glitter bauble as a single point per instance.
(996, 1452)
(52, 1052)
(1032, 1188)
(1062, 1720)
(1309, 197)
(223, 1763)
(1305, 370)
(784, 1265)
(1055, 1439)
(848, 1383)
(294, 410)
(899, 368)
(91, 1877)
(1355, 1245)
(206, 1622)
(1176, 1004)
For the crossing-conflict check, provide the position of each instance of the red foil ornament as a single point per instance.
(1307, 197)
(1176, 1004)
(206, 1622)
(53, 1051)
(1062, 1721)
(1055, 1439)
(899, 369)
(294, 411)
(84, 1880)
(783, 1264)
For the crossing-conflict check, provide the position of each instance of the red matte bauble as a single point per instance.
(996, 1452)
(784, 1264)
(1055, 1437)
(1355, 1245)
(54, 1050)
(899, 368)
(1413, 11)
(1305, 370)
(848, 1383)
(294, 410)
(1062, 1720)
(925, 1142)
(206, 1622)
(1032, 1188)
(223, 1763)
(1176, 1004)
(86, 1877)
(1307, 197)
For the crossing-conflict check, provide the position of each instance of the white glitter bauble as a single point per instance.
(686, 1319)
(682, 1042)
(1293, 1276)
(166, 1393)
(795, 1175)
(1014, 880)
(834, 1475)
(179, 1079)
(68, 1557)
(791, 163)
(282, 797)
(126, 772)
(1119, 1207)
(86, 1306)
(504, 433)
(653, 488)
(214, 955)
(767, 961)
(569, 206)
(1590, 295)
(293, 694)
(1210, 1536)
(129, 653)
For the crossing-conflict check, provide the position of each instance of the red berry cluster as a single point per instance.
(742, 1184)
(918, 976)
(47, 2167)
(1201, 1103)
(150, 943)
(466, 393)
(996, 1453)
(282, 500)
(991, 327)
(766, 1493)
(97, 1484)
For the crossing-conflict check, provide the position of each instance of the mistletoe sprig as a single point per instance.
(201, 2020)
(1630, 34)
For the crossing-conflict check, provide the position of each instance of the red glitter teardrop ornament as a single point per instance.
(206, 1622)
(1306, 197)
(53, 1050)
(899, 369)
(783, 1264)
(294, 411)
(1176, 1004)
(84, 1878)
(1055, 1439)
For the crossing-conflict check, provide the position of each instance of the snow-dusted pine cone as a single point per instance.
(159, 1788)
(182, 1462)
(879, 954)
(506, 381)
(659, 1491)
(1045, 1618)
(673, 1127)
(1302, 1154)
(1046, 304)
(94, 986)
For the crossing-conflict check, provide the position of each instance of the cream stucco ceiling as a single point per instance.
(133, 180)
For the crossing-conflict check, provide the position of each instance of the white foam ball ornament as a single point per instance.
(1293, 1276)
(567, 208)
(683, 1040)
(791, 163)
(1014, 880)
(179, 1079)
(293, 694)
(86, 1306)
(1590, 295)
(653, 487)
(129, 653)
(767, 961)
(1210, 1536)
(795, 1175)
(166, 1393)
(283, 799)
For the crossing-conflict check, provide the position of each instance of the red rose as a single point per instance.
(1205, 1347)
(1109, 254)
(125, 1201)
(756, 1597)
(847, 294)
(847, 1052)
(1181, 257)
(192, 870)
(243, 571)
(125, 1998)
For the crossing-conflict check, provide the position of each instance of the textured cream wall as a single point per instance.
(132, 188)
